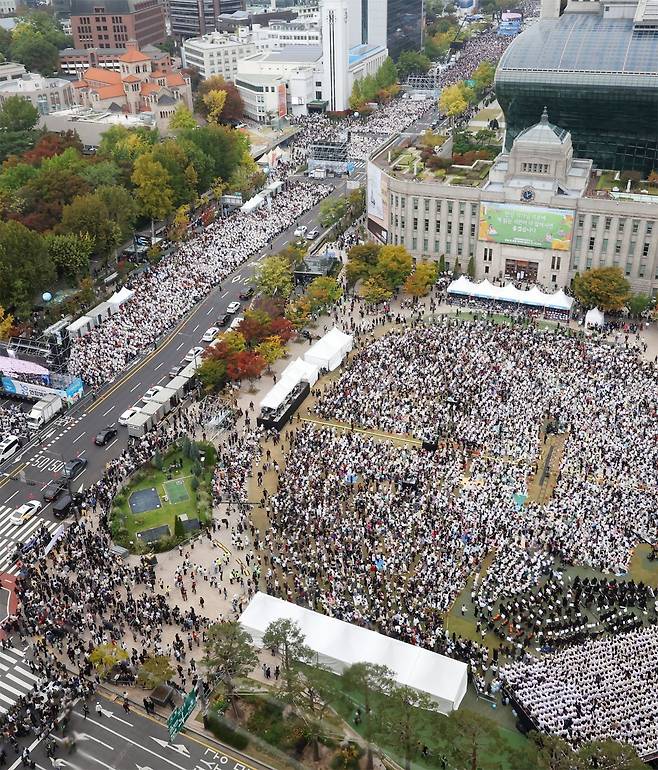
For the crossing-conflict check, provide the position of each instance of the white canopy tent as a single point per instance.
(299, 370)
(594, 317)
(339, 645)
(329, 351)
(252, 204)
(278, 394)
(121, 297)
(535, 297)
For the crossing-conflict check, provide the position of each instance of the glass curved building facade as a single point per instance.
(597, 76)
(404, 26)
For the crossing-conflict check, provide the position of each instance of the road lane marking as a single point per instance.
(135, 387)
(155, 368)
(12, 496)
(112, 444)
(224, 295)
(181, 345)
(195, 328)
(210, 310)
(80, 436)
(109, 410)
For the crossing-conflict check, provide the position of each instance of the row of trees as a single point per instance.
(380, 87)
(456, 99)
(34, 42)
(86, 206)
(398, 718)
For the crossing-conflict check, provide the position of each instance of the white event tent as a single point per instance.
(339, 644)
(297, 371)
(535, 297)
(594, 317)
(330, 350)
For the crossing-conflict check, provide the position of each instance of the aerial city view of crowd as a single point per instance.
(408, 490)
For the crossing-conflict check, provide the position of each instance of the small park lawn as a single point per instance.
(196, 503)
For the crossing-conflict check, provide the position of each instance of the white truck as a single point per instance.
(44, 411)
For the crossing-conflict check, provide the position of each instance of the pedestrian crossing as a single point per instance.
(16, 679)
(10, 534)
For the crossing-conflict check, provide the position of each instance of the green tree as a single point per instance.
(552, 752)
(356, 99)
(105, 657)
(323, 291)
(35, 52)
(233, 340)
(233, 107)
(405, 714)
(287, 638)
(638, 303)
(332, 210)
(452, 102)
(18, 114)
(70, 253)
(483, 75)
(88, 215)
(602, 287)
(394, 264)
(476, 741)
(182, 119)
(597, 755)
(154, 671)
(122, 208)
(229, 654)
(273, 277)
(470, 268)
(299, 312)
(25, 266)
(103, 173)
(412, 62)
(370, 681)
(153, 191)
(387, 74)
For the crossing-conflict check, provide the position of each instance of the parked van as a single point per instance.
(8, 447)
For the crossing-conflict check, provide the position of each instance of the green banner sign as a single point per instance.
(179, 715)
(540, 228)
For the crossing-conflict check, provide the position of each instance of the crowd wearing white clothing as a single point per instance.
(167, 291)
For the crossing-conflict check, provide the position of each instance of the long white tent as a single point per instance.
(339, 645)
(329, 351)
(535, 297)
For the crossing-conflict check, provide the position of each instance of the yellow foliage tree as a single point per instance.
(452, 102)
(6, 322)
(214, 101)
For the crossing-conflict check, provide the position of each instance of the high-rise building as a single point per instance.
(193, 18)
(112, 23)
(335, 51)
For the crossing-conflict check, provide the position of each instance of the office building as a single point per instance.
(596, 69)
(112, 23)
(217, 54)
(538, 215)
(194, 18)
(45, 94)
(74, 61)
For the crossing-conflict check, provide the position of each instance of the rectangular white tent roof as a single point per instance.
(299, 370)
(338, 645)
(329, 351)
(509, 293)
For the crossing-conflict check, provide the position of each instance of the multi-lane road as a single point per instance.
(116, 740)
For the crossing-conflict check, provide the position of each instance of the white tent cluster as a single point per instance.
(339, 645)
(534, 297)
(594, 317)
(327, 354)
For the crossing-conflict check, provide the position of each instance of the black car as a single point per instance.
(62, 507)
(223, 320)
(247, 293)
(105, 435)
(54, 488)
(74, 467)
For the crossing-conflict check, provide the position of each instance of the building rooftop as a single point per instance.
(88, 115)
(31, 81)
(543, 132)
(294, 53)
(363, 51)
(590, 45)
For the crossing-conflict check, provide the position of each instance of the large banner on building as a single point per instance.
(541, 228)
(283, 106)
(375, 200)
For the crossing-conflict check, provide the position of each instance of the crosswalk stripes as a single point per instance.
(10, 534)
(16, 679)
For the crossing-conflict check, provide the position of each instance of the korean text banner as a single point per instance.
(541, 228)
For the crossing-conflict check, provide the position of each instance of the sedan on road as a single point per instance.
(247, 293)
(313, 234)
(233, 308)
(193, 353)
(152, 392)
(105, 435)
(210, 334)
(223, 320)
(301, 231)
(54, 488)
(25, 512)
(74, 467)
(123, 420)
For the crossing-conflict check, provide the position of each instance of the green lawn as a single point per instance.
(176, 492)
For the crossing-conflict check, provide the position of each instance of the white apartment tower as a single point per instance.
(335, 53)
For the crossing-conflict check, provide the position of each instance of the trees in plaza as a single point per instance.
(638, 303)
(602, 287)
(419, 282)
(273, 277)
(25, 266)
(394, 264)
(154, 671)
(153, 190)
(105, 657)
(70, 253)
(287, 638)
(323, 291)
(452, 101)
(403, 717)
(214, 101)
(412, 62)
(229, 654)
(370, 681)
(233, 109)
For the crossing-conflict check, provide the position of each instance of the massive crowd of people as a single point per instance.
(166, 292)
